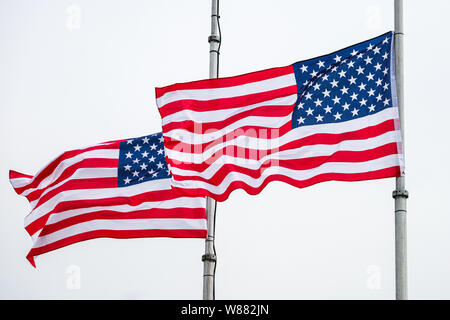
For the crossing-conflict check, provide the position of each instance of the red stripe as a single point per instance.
(69, 171)
(66, 155)
(371, 175)
(296, 164)
(15, 175)
(263, 111)
(154, 213)
(227, 81)
(254, 154)
(135, 200)
(225, 103)
(118, 234)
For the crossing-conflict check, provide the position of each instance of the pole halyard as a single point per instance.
(400, 194)
(209, 258)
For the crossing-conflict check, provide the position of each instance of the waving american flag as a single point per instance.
(117, 189)
(332, 117)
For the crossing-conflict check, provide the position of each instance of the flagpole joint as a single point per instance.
(400, 194)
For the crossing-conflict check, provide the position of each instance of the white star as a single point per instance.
(326, 93)
(301, 120)
(376, 50)
(141, 178)
(143, 166)
(336, 100)
(151, 171)
(334, 69)
(325, 77)
(354, 52)
(344, 90)
(130, 141)
(314, 73)
(379, 82)
(346, 106)
(328, 109)
(321, 64)
(371, 92)
(370, 76)
(160, 151)
(137, 148)
(386, 86)
(372, 108)
(127, 180)
(354, 96)
(136, 160)
(161, 139)
(145, 140)
(386, 40)
(337, 58)
(309, 112)
(319, 118)
(386, 101)
(368, 60)
(144, 154)
(128, 155)
(308, 96)
(360, 70)
(379, 97)
(316, 86)
(300, 105)
(352, 80)
(385, 71)
(355, 112)
(135, 173)
(304, 68)
(151, 159)
(153, 146)
(342, 73)
(370, 47)
(127, 167)
(385, 56)
(160, 165)
(337, 116)
(362, 86)
(363, 102)
(351, 64)
(378, 66)
(334, 83)
(318, 102)
(155, 174)
(360, 55)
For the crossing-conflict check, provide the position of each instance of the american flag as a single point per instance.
(332, 117)
(116, 189)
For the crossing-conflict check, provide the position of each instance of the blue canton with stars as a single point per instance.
(142, 159)
(348, 84)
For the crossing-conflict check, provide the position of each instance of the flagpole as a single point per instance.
(209, 258)
(400, 194)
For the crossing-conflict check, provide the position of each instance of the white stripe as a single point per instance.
(298, 153)
(218, 115)
(19, 182)
(228, 92)
(82, 173)
(299, 175)
(186, 155)
(121, 224)
(63, 165)
(91, 194)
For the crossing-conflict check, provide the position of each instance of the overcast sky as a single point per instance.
(75, 73)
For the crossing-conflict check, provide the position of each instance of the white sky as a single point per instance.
(65, 85)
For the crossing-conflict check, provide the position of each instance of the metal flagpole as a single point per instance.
(400, 194)
(209, 258)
